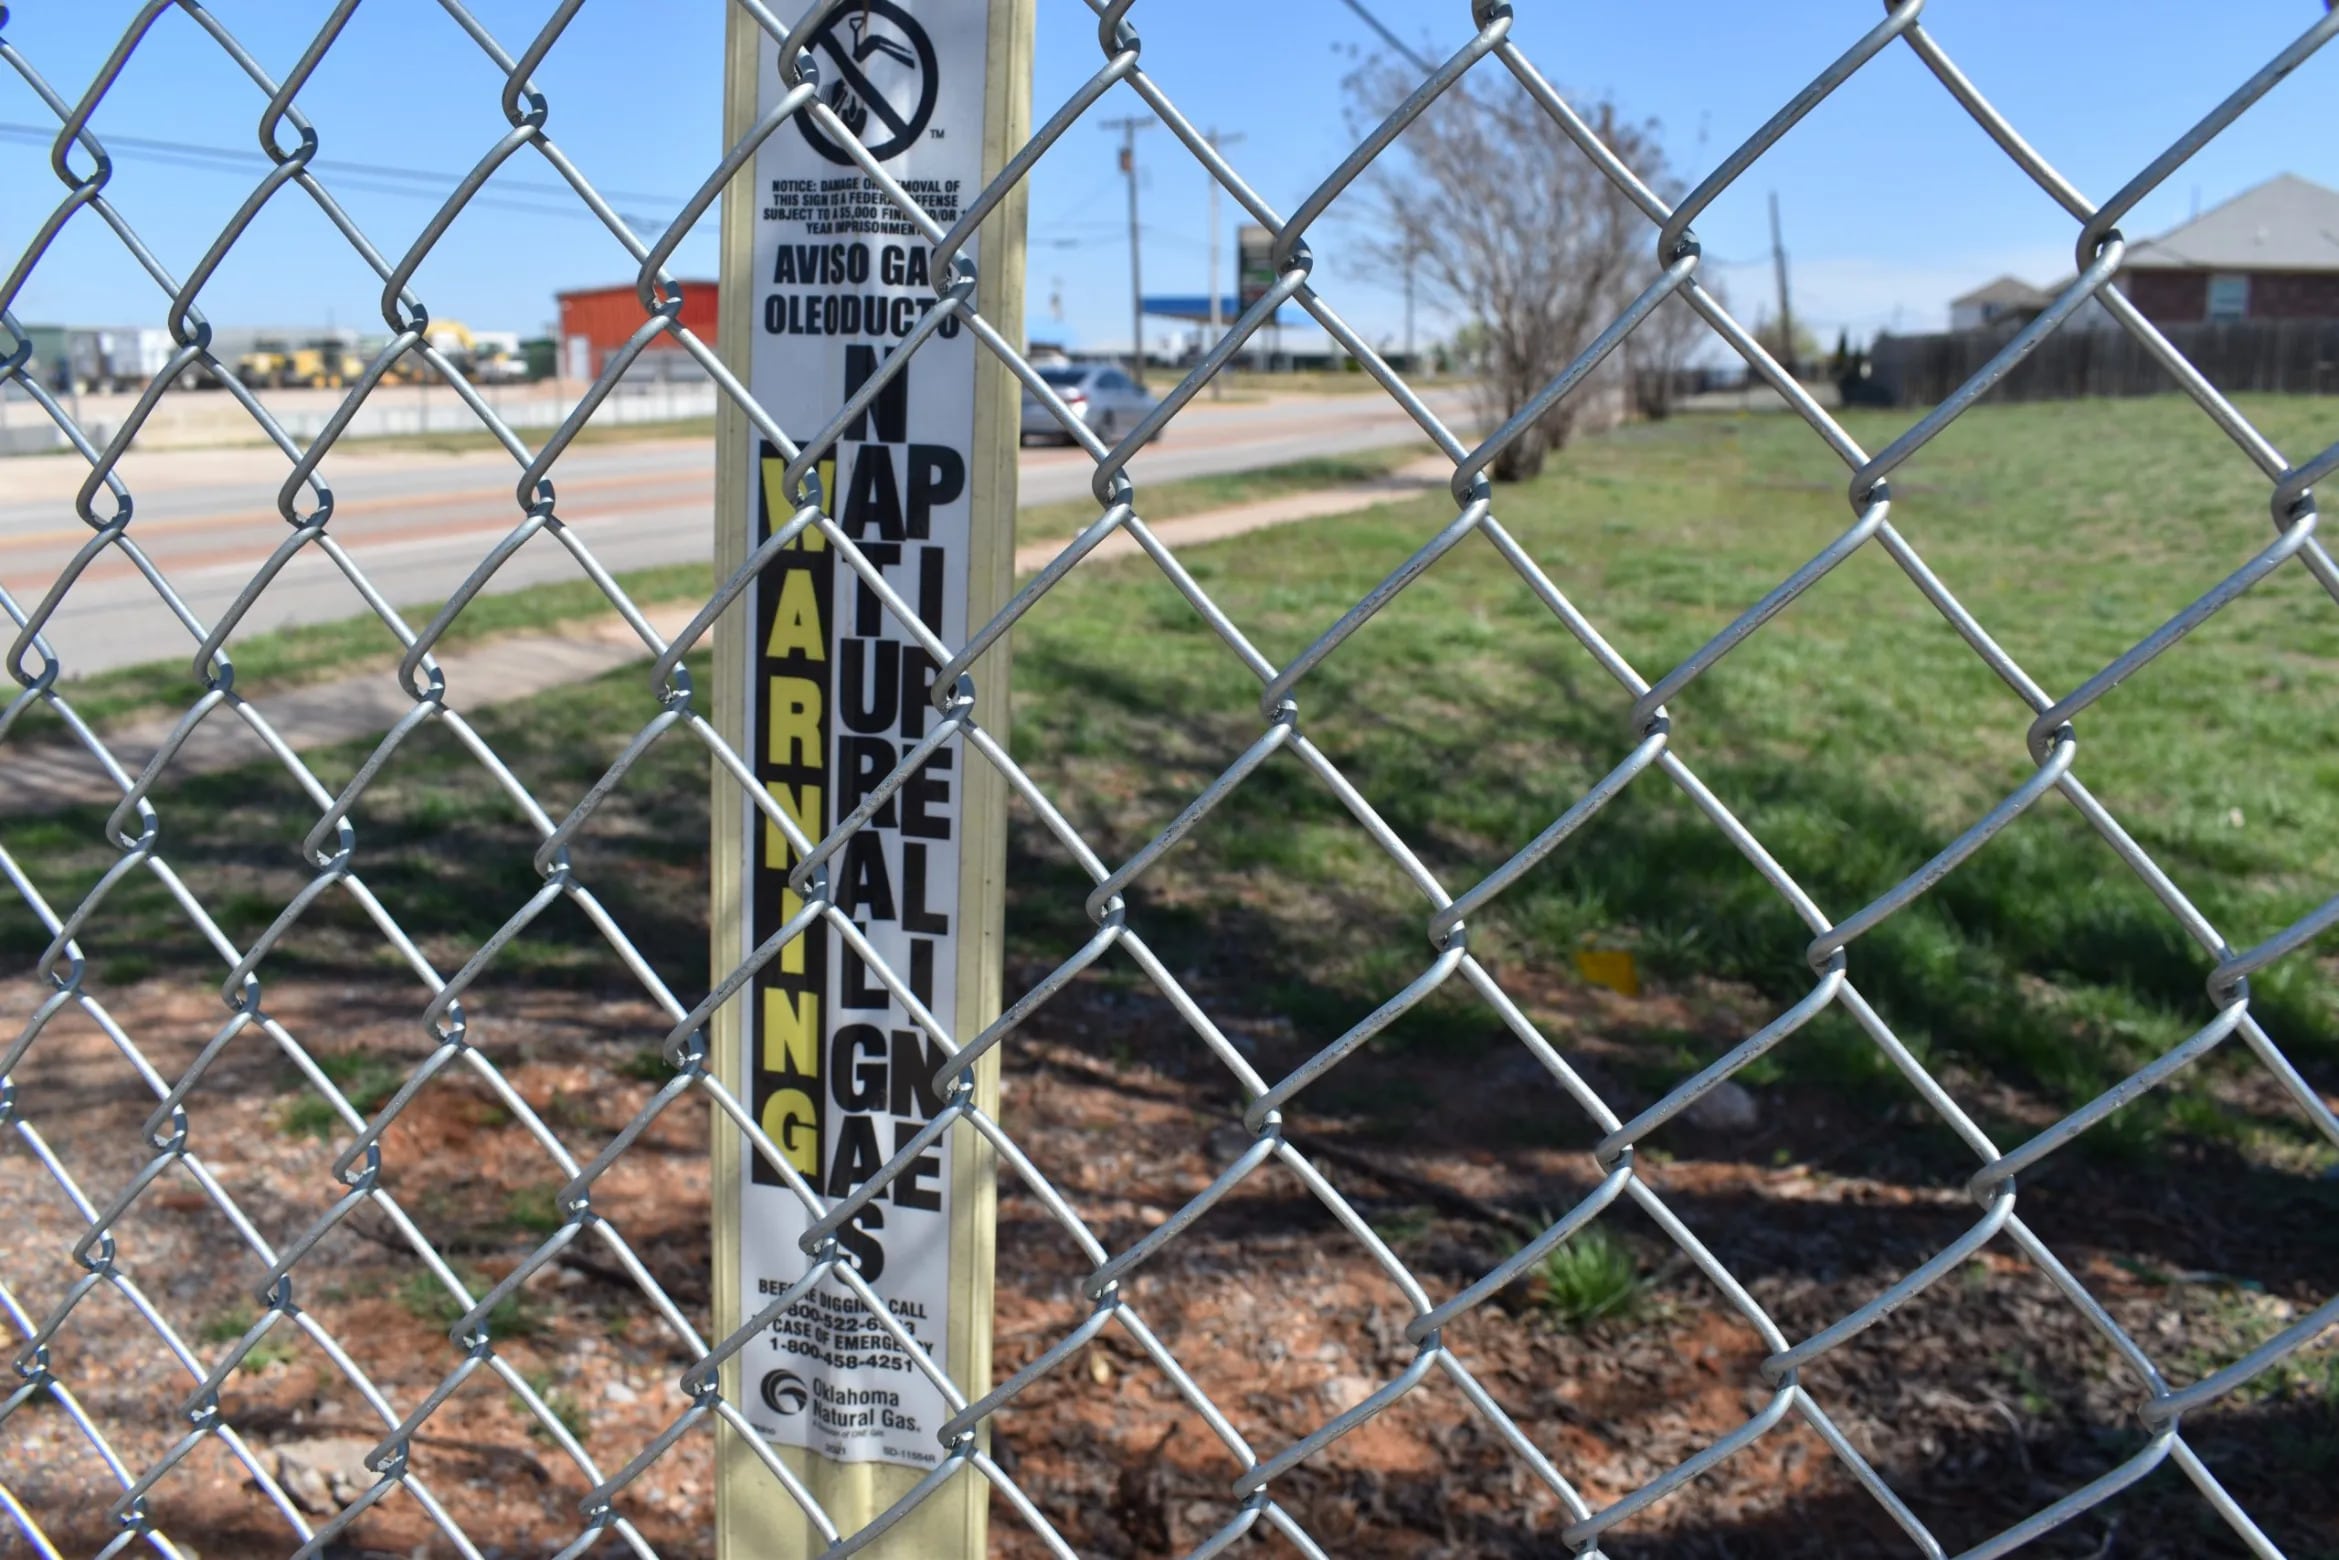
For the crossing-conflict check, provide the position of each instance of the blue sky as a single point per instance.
(1893, 201)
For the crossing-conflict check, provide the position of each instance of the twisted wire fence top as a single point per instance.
(1487, 40)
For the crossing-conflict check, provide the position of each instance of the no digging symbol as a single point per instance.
(882, 79)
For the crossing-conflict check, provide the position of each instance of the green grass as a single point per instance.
(287, 657)
(1350, 379)
(646, 1065)
(533, 1210)
(1855, 735)
(471, 440)
(562, 1404)
(229, 1325)
(449, 856)
(425, 1299)
(365, 1079)
(1194, 495)
(1590, 1275)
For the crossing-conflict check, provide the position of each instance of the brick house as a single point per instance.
(2270, 253)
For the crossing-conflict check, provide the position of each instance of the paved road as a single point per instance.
(416, 523)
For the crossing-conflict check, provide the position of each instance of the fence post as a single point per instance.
(805, 258)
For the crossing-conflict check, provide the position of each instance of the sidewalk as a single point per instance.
(53, 774)
(1410, 480)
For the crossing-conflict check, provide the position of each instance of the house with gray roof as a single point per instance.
(2008, 301)
(2270, 253)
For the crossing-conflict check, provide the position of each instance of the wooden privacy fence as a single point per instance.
(2297, 357)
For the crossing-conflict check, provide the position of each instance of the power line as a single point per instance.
(359, 183)
(1089, 197)
(1075, 232)
(378, 170)
(372, 178)
(1387, 37)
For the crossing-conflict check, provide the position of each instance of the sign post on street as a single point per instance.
(1254, 275)
(1254, 263)
(821, 690)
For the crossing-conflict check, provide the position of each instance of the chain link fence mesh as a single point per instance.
(279, 1269)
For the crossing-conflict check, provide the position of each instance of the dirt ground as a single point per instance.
(1986, 1399)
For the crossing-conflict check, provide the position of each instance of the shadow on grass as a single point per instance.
(439, 843)
(2041, 963)
(2040, 966)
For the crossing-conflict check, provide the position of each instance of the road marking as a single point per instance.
(703, 491)
(185, 567)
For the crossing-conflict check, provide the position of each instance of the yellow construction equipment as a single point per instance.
(324, 364)
(451, 338)
(264, 366)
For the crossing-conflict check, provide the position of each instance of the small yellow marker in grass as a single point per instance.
(1610, 967)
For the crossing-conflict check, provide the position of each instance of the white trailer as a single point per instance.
(111, 358)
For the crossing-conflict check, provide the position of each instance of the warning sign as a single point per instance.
(838, 695)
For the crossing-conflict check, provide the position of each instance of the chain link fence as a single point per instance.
(276, 1255)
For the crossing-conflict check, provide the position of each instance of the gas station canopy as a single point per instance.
(1195, 308)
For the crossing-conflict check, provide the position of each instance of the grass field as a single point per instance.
(1352, 381)
(289, 657)
(1856, 735)
(470, 441)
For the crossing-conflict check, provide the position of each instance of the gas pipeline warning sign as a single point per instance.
(838, 695)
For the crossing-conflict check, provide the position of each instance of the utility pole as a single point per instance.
(1129, 128)
(1778, 255)
(1217, 142)
(1412, 252)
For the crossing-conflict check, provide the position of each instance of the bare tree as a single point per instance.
(1509, 225)
(1657, 353)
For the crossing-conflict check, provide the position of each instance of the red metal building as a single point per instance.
(596, 321)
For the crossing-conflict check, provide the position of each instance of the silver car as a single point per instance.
(1104, 397)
